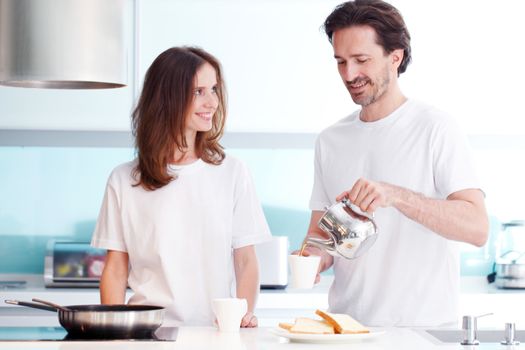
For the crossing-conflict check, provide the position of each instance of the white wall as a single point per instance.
(468, 59)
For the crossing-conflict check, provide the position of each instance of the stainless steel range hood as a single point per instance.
(62, 44)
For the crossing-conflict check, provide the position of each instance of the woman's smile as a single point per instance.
(206, 116)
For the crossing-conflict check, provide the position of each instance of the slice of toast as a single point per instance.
(286, 325)
(342, 323)
(310, 326)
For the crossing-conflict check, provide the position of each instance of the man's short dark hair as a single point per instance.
(385, 19)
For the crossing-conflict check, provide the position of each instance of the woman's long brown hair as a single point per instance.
(159, 118)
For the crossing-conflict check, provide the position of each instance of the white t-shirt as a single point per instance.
(410, 276)
(180, 238)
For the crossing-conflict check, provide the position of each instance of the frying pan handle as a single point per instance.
(30, 304)
(53, 305)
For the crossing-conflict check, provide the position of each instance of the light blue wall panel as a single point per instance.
(49, 193)
(55, 193)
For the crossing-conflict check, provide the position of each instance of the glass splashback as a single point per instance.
(55, 193)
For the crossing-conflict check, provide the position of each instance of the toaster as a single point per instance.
(73, 264)
(273, 262)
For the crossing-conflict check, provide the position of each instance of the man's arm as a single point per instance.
(460, 217)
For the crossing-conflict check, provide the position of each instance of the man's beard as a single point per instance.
(379, 88)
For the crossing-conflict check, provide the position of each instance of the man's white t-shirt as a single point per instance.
(180, 238)
(410, 276)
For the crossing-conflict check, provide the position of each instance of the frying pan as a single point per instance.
(103, 321)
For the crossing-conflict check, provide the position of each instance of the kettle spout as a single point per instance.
(323, 244)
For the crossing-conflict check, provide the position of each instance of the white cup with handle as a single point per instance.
(229, 313)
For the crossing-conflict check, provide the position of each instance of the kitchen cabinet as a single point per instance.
(26, 108)
(279, 67)
(265, 62)
(59, 109)
(280, 71)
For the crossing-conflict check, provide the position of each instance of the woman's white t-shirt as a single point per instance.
(180, 238)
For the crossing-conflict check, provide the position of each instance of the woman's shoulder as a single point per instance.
(232, 163)
(123, 172)
(233, 166)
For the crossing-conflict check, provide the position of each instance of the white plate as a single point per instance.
(326, 338)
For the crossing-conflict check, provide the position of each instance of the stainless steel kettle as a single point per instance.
(351, 231)
(510, 255)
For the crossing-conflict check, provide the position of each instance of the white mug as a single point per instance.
(229, 313)
(303, 270)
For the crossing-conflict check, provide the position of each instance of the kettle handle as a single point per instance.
(356, 209)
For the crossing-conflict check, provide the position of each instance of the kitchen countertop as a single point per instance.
(269, 298)
(259, 339)
(477, 297)
(274, 306)
(290, 298)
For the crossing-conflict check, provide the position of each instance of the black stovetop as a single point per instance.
(60, 334)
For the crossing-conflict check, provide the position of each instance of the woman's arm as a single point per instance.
(114, 278)
(247, 277)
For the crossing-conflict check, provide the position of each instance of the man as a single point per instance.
(407, 163)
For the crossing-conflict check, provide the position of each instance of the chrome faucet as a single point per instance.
(470, 329)
(510, 329)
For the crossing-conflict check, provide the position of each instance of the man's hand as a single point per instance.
(369, 195)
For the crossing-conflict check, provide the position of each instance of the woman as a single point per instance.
(183, 216)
